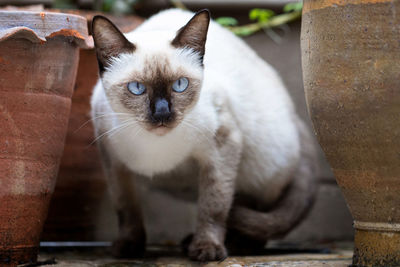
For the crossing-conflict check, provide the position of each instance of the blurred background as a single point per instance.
(81, 209)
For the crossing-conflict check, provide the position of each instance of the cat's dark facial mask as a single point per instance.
(158, 96)
(157, 85)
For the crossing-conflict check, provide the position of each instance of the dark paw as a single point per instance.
(125, 248)
(207, 250)
(185, 243)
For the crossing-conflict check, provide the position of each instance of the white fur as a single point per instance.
(234, 76)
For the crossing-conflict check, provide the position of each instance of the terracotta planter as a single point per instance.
(38, 62)
(80, 187)
(351, 55)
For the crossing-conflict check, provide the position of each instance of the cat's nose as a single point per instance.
(162, 112)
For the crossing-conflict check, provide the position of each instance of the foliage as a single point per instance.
(261, 15)
(293, 7)
(119, 6)
(227, 21)
(107, 5)
(264, 18)
(112, 6)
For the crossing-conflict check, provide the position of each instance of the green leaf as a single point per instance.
(261, 15)
(254, 13)
(107, 5)
(293, 7)
(227, 21)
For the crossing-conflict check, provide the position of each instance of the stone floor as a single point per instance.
(330, 256)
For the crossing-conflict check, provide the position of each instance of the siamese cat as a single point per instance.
(186, 103)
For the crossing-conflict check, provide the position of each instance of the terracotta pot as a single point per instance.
(351, 55)
(38, 63)
(80, 187)
(80, 182)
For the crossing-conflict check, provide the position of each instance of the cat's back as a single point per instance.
(229, 61)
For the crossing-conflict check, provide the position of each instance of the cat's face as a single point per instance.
(154, 77)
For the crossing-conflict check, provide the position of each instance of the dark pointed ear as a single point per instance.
(108, 41)
(194, 33)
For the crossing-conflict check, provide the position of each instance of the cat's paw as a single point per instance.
(128, 248)
(207, 250)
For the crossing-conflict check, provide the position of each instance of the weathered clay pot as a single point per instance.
(73, 211)
(38, 62)
(351, 65)
(80, 182)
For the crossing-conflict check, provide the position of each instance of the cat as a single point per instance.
(185, 102)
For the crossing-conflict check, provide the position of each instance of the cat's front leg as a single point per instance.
(131, 239)
(216, 190)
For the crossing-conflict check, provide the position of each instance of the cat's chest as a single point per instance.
(182, 182)
(149, 156)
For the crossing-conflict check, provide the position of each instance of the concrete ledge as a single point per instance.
(164, 258)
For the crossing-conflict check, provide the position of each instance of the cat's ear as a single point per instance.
(194, 33)
(108, 41)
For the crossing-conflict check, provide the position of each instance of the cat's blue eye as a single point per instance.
(180, 85)
(136, 88)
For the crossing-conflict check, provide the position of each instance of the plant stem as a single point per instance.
(273, 22)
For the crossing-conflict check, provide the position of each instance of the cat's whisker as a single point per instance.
(112, 130)
(137, 132)
(191, 125)
(100, 116)
(196, 129)
(121, 128)
(201, 129)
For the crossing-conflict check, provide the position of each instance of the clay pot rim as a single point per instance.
(39, 27)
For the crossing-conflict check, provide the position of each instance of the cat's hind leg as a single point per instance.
(294, 204)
